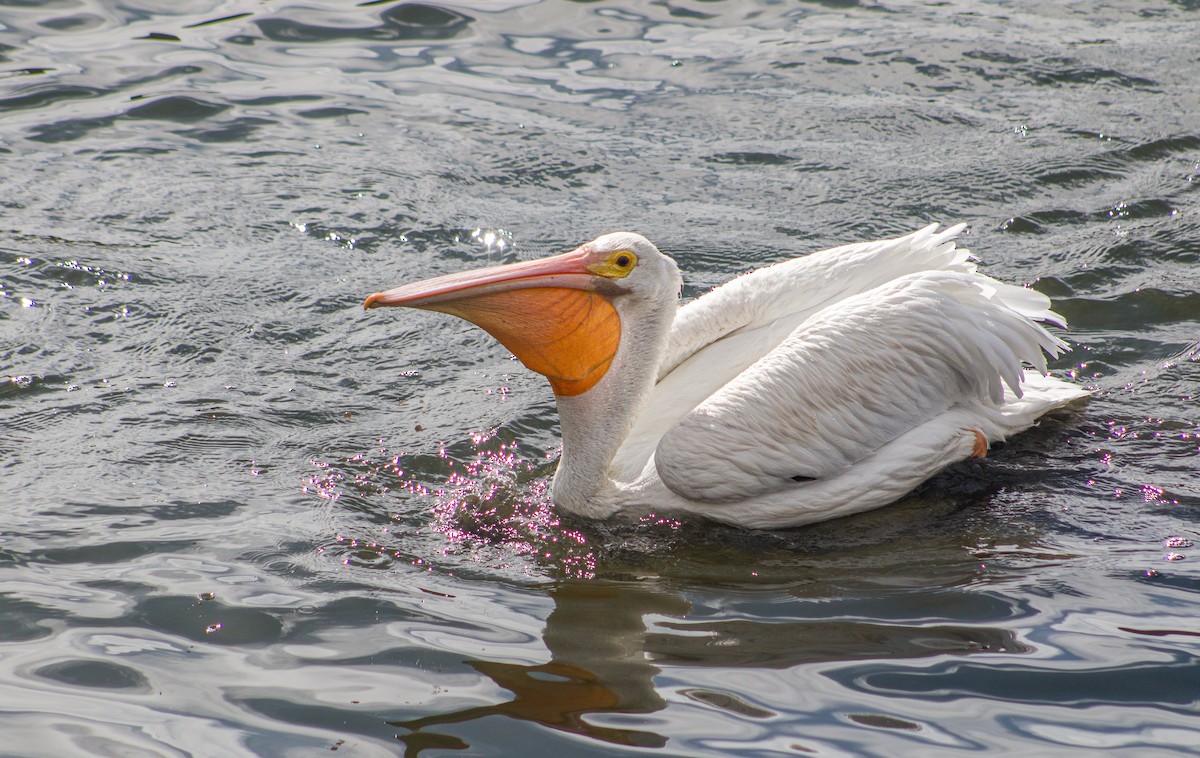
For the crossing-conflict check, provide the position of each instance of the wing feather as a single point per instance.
(722, 333)
(855, 376)
(797, 288)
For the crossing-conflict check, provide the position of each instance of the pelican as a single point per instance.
(810, 389)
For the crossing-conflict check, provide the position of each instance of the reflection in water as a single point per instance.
(747, 642)
(596, 638)
(603, 657)
(552, 694)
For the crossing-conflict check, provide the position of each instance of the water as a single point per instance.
(245, 518)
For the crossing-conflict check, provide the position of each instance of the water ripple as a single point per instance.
(337, 530)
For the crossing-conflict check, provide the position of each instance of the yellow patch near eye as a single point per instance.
(616, 265)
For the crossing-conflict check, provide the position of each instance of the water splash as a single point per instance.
(492, 510)
(493, 504)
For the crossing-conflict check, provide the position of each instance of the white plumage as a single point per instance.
(814, 388)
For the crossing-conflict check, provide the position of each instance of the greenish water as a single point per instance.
(245, 518)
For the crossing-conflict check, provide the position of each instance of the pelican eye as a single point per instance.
(616, 265)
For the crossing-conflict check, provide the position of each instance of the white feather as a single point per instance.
(866, 368)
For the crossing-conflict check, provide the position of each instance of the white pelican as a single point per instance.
(810, 389)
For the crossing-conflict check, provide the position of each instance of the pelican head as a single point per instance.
(561, 316)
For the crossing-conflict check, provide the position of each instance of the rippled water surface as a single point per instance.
(242, 517)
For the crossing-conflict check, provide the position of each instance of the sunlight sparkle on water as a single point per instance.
(493, 241)
(652, 519)
(493, 509)
(493, 503)
(325, 485)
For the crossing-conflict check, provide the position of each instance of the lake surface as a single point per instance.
(244, 517)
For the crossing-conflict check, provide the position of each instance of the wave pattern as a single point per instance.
(336, 528)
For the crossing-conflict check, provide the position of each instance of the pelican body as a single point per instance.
(814, 388)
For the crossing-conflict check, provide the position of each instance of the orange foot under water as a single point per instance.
(981, 445)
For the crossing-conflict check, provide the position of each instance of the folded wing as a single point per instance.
(854, 376)
(722, 333)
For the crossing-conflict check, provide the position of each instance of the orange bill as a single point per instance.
(547, 312)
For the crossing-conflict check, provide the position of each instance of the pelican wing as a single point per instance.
(779, 297)
(854, 376)
(719, 335)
